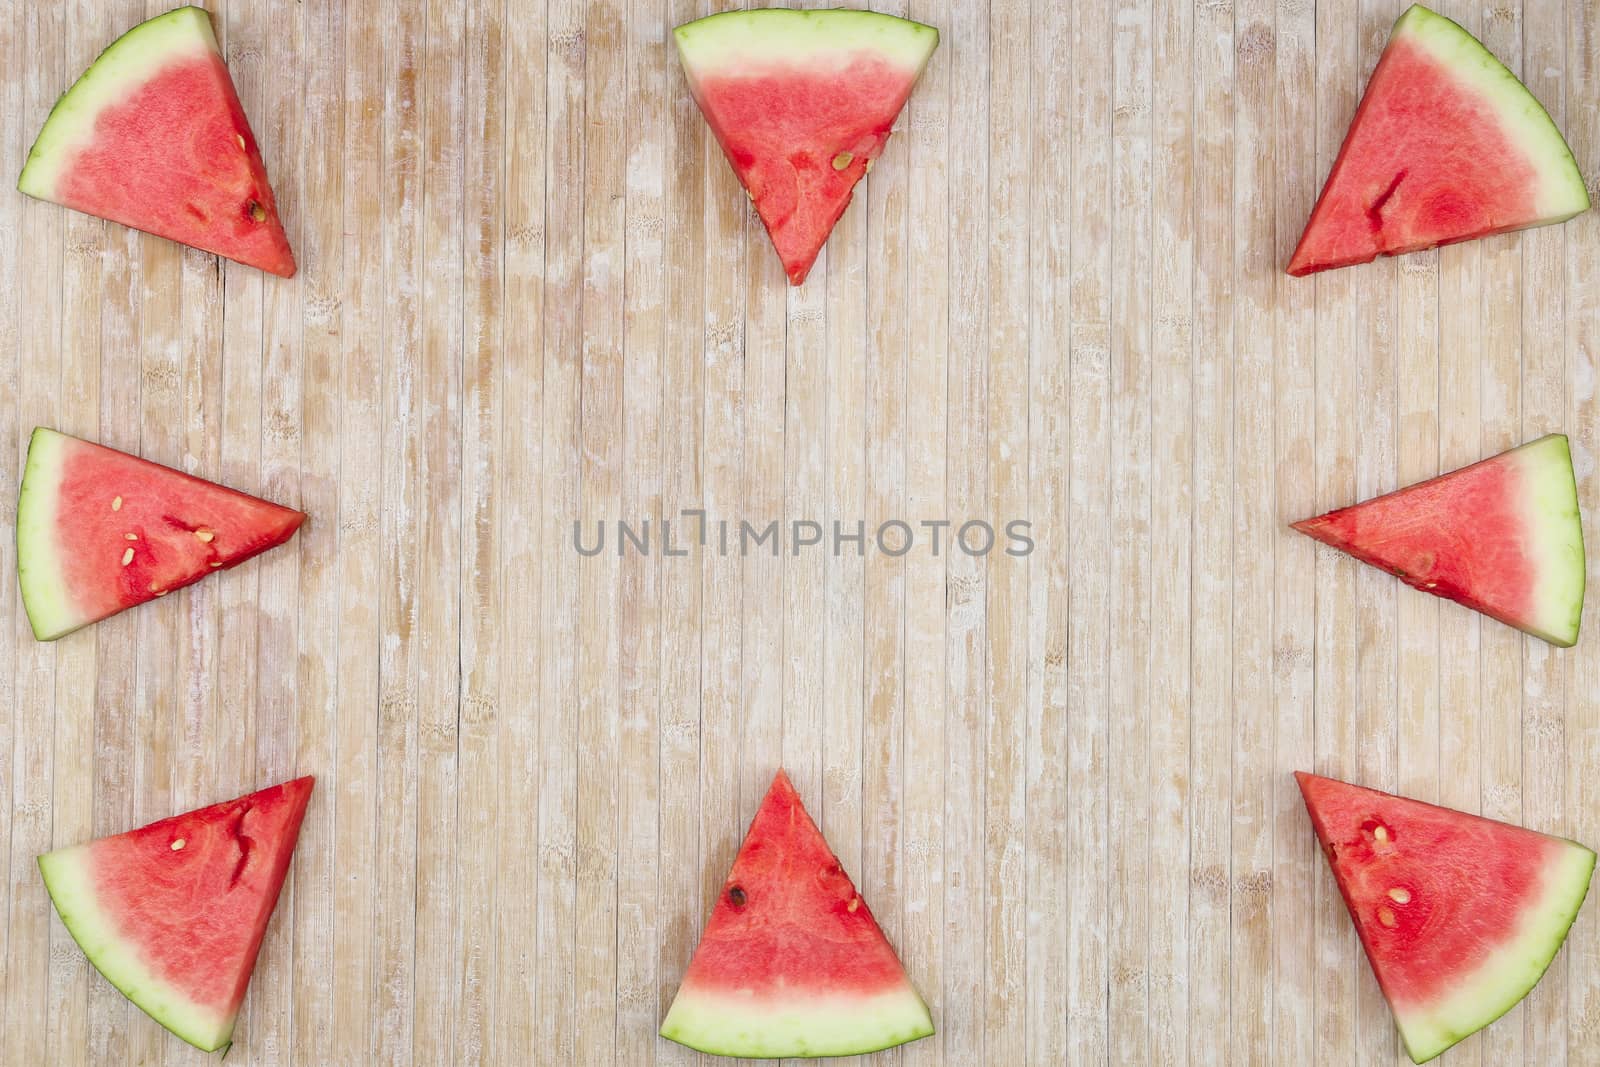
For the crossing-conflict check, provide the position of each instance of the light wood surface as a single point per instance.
(531, 292)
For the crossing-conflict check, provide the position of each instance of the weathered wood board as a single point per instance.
(531, 293)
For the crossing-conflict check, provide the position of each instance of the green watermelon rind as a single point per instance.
(128, 61)
(809, 1026)
(1512, 971)
(1562, 194)
(1556, 527)
(44, 592)
(69, 882)
(780, 34)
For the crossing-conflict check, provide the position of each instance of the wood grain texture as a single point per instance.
(532, 295)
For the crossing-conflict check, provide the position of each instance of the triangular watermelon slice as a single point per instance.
(173, 913)
(792, 962)
(1446, 146)
(1460, 915)
(153, 136)
(1502, 536)
(802, 103)
(99, 530)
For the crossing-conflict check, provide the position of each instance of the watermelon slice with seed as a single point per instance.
(153, 136)
(173, 913)
(1446, 146)
(802, 102)
(1502, 536)
(792, 962)
(99, 530)
(1459, 915)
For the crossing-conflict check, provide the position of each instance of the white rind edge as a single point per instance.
(723, 43)
(69, 880)
(1523, 118)
(38, 558)
(733, 1024)
(1552, 498)
(129, 60)
(1514, 969)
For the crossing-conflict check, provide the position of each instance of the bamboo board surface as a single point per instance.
(531, 292)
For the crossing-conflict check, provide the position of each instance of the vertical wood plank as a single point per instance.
(399, 206)
(1256, 271)
(600, 475)
(886, 419)
(436, 539)
(1298, 868)
(1173, 428)
(34, 387)
(966, 703)
(318, 245)
(359, 873)
(18, 96)
(1050, 969)
(1088, 534)
(558, 697)
(1581, 346)
(1338, 89)
(1211, 592)
(522, 938)
(640, 607)
(1130, 442)
(1004, 445)
(930, 239)
(478, 888)
(702, 380)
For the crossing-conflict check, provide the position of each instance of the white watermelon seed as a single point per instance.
(131, 536)
(177, 846)
(842, 160)
(258, 212)
(127, 557)
(205, 536)
(116, 504)
(240, 138)
(1400, 895)
(1386, 917)
(855, 902)
(1381, 833)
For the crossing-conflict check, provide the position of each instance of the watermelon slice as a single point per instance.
(1502, 537)
(802, 103)
(152, 136)
(1460, 915)
(1446, 146)
(99, 530)
(792, 962)
(173, 913)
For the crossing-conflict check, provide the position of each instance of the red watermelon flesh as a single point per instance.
(802, 102)
(173, 913)
(1502, 536)
(1459, 915)
(99, 530)
(792, 962)
(1446, 146)
(153, 136)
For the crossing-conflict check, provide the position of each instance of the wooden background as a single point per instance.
(531, 291)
